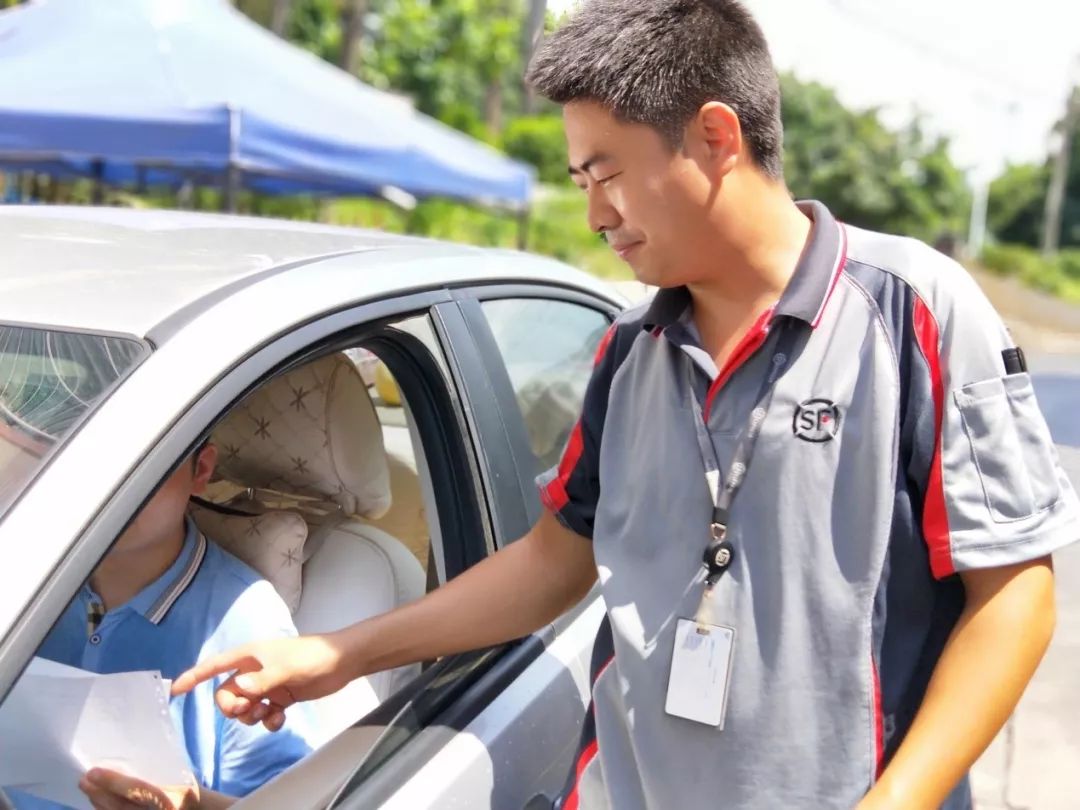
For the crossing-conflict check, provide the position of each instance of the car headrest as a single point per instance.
(312, 433)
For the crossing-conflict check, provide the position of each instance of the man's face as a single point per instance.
(163, 516)
(651, 203)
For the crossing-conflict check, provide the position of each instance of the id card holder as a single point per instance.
(700, 672)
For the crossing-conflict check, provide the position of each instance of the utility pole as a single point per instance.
(530, 38)
(1055, 196)
(279, 16)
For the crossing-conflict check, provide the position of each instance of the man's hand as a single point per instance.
(484, 606)
(270, 676)
(109, 790)
(994, 649)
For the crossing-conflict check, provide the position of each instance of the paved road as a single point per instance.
(1035, 762)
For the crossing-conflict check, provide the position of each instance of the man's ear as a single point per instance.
(718, 131)
(205, 462)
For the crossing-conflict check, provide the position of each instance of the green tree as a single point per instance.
(900, 182)
(1015, 207)
(539, 140)
(459, 60)
(1018, 201)
(316, 26)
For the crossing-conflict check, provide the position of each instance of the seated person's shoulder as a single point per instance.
(242, 604)
(243, 607)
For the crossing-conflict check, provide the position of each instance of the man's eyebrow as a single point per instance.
(588, 164)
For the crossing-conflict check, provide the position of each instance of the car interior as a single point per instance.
(319, 487)
(318, 490)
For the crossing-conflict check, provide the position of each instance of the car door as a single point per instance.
(476, 447)
(509, 738)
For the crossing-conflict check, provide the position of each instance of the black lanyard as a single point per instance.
(720, 553)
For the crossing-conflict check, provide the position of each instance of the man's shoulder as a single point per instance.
(227, 570)
(930, 274)
(232, 590)
(627, 328)
(235, 602)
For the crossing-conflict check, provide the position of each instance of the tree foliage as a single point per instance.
(454, 58)
(1018, 200)
(462, 60)
(539, 140)
(900, 182)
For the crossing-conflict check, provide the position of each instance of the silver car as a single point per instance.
(127, 338)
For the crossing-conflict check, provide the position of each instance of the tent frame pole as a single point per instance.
(232, 188)
(523, 228)
(97, 171)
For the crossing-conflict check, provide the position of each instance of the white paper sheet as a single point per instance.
(58, 722)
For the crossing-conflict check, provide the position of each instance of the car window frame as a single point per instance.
(178, 440)
(474, 679)
(455, 689)
(480, 327)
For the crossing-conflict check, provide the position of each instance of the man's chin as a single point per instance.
(648, 275)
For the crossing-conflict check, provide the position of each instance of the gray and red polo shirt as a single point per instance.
(897, 451)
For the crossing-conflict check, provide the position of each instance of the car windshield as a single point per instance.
(49, 381)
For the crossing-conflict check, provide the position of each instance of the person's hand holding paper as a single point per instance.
(59, 722)
(110, 790)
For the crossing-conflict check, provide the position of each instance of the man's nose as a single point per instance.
(602, 215)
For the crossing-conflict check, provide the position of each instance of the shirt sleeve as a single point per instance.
(250, 756)
(571, 490)
(995, 492)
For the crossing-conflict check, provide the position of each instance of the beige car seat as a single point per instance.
(310, 442)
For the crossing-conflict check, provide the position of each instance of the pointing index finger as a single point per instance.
(210, 668)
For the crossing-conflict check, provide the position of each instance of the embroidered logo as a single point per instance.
(816, 420)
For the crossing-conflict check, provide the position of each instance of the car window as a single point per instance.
(548, 347)
(49, 381)
(301, 496)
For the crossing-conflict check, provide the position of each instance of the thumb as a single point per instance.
(240, 695)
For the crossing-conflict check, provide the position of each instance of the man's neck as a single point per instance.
(123, 574)
(763, 243)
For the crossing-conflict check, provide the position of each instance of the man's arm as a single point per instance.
(990, 657)
(511, 594)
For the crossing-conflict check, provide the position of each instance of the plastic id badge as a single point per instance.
(700, 672)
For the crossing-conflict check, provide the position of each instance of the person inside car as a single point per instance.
(161, 599)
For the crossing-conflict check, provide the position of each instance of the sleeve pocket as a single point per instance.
(1010, 445)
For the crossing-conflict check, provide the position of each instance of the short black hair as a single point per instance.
(657, 62)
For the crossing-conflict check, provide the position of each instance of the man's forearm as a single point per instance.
(511, 594)
(985, 666)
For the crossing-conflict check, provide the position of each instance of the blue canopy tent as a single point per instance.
(144, 92)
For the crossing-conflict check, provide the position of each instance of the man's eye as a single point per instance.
(604, 181)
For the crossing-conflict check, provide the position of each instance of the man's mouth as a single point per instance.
(624, 249)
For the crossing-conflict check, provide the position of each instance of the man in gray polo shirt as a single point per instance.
(834, 420)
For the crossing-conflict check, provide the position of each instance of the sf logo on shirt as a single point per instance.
(816, 420)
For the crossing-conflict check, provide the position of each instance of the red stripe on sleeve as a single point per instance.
(554, 495)
(935, 516)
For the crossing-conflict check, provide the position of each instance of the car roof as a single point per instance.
(126, 271)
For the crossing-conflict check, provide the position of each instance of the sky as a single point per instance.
(993, 75)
